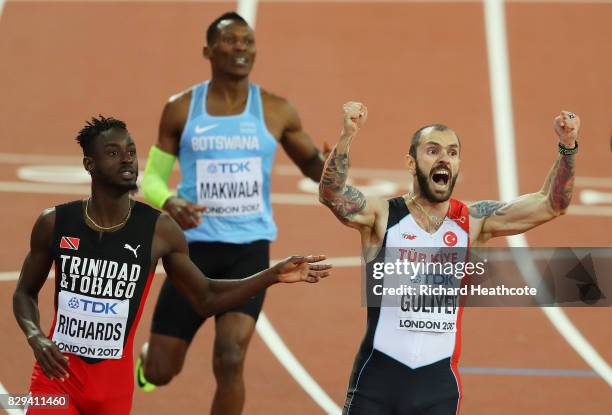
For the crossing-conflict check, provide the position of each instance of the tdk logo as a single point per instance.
(236, 167)
(99, 307)
(73, 303)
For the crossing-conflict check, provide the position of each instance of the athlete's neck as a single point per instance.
(227, 89)
(108, 208)
(427, 214)
(439, 209)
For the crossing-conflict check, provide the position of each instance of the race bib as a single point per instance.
(422, 308)
(90, 327)
(230, 187)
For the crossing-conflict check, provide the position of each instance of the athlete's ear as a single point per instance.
(410, 164)
(206, 52)
(88, 163)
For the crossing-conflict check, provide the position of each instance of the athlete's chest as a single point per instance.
(407, 233)
(86, 260)
(236, 117)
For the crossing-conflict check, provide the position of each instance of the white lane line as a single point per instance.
(501, 101)
(82, 190)
(527, 2)
(248, 10)
(340, 261)
(3, 391)
(280, 350)
(507, 174)
(398, 175)
(355, 261)
(298, 199)
(592, 197)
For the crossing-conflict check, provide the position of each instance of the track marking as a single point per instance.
(265, 329)
(495, 23)
(525, 371)
(398, 175)
(298, 199)
(323, 1)
(280, 350)
(3, 391)
(355, 261)
(592, 197)
(248, 10)
(58, 173)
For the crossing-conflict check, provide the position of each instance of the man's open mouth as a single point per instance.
(441, 177)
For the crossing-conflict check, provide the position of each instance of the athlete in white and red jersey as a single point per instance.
(105, 251)
(407, 363)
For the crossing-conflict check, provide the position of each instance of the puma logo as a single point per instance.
(134, 250)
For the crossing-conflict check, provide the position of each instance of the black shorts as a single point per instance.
(174, 316)
(383, 386)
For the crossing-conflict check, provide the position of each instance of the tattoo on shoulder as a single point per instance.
(487, 208)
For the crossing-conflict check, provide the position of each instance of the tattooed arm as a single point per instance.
(346, 201)
(489, 218)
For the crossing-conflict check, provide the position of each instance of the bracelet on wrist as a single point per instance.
(567, 151)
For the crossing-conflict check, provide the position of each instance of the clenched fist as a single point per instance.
(567, 125)
(355, 115)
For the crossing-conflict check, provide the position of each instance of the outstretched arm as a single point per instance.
(346, 201)
(209, 296)
(492, 218)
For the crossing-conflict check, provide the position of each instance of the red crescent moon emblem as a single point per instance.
(450, 239)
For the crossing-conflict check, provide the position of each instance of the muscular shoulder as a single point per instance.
(42, 232)
(173, 119)
(278, 107)
(47, 217)
(479, 212)
(270, 99)
(180, 101)
(166, 227)
(169, 236)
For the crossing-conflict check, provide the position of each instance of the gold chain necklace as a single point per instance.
(432, 220)
(103, 228)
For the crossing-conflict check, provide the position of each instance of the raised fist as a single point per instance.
(355, 115)
(566, 126)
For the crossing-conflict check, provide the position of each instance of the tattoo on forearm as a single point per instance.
(562, 183)
(549, 178)
(345, 200)
(486, 208)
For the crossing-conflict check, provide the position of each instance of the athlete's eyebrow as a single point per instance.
(115, 144)
(434, 143)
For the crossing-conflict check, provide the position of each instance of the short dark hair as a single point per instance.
(94, 128)
(211, 32)
(416, 137)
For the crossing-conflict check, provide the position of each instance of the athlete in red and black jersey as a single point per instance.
(105, 251)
